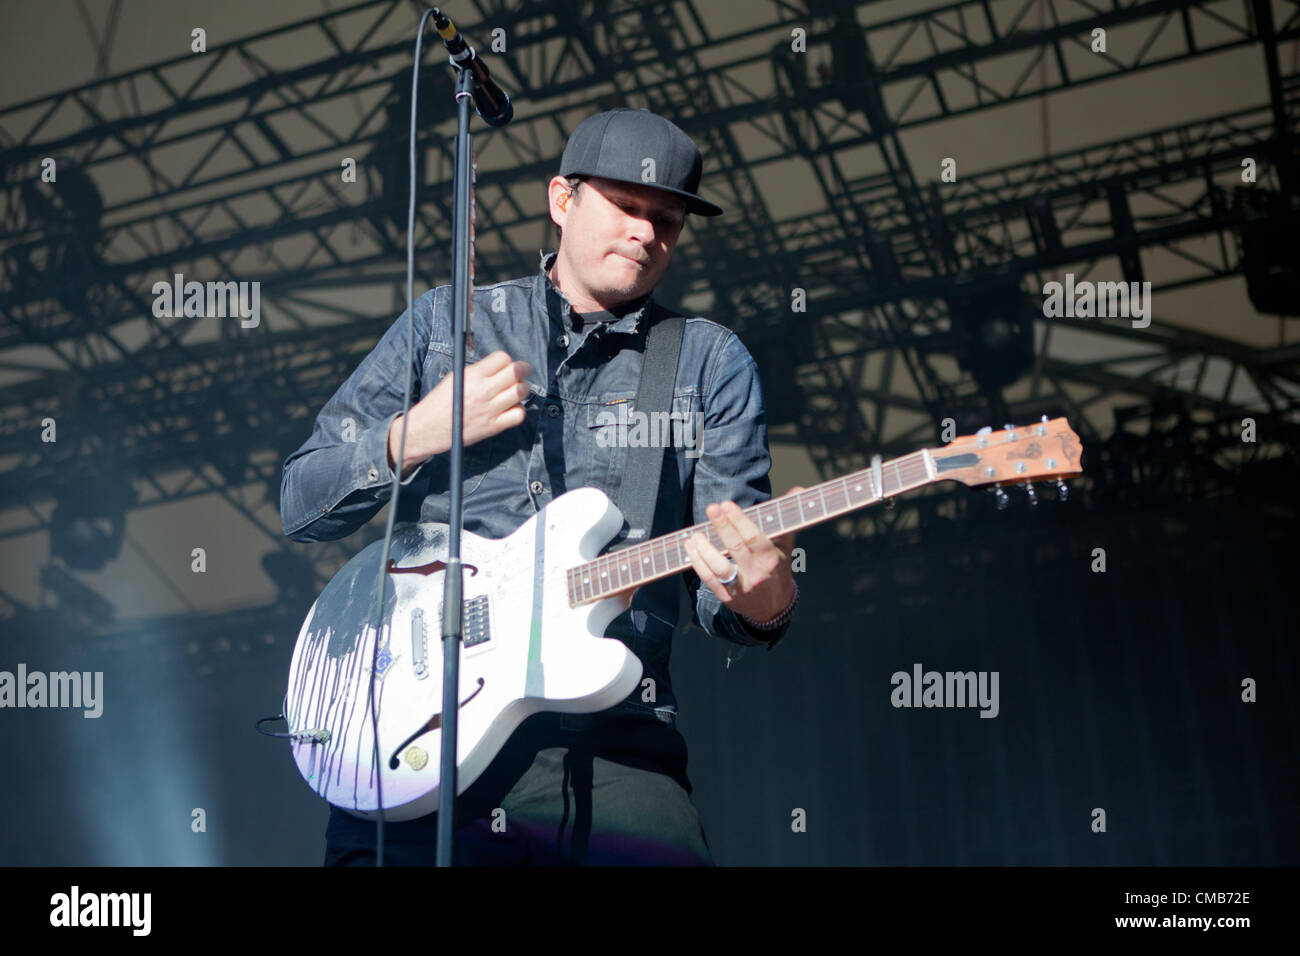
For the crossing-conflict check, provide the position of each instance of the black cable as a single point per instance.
(401, 447)
(316, 736)
(258, 727)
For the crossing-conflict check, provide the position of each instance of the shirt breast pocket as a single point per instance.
(615, 426)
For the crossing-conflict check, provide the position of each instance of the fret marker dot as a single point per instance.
(604, 574)
(645, 560)
(585, 578)
(857, 487)
(769, 518)
(625, 567)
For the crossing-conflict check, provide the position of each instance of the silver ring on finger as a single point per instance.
(735, 573)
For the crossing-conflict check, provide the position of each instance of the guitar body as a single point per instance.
(526, 650)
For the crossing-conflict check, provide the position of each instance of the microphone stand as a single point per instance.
(453, 581)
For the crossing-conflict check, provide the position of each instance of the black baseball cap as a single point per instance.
(619, 144)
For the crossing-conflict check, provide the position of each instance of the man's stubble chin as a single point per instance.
(625, 291)
(610, 291)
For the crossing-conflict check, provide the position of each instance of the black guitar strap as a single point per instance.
(643, 465)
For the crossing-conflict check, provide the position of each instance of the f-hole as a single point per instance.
(434, 723)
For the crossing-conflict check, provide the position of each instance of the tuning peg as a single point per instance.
(1033, 497)
(1001, 496)
(1062, 490)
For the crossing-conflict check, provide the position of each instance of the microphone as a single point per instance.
(490, 101)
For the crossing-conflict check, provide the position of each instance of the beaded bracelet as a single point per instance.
(776, 622)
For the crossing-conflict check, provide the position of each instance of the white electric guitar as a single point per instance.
(536, 605)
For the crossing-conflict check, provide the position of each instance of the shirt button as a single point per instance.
(563, 341)
(374, 473)
(553, 410)
(536, 487)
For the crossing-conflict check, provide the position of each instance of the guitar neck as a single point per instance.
(1049, 450)
(660, 557)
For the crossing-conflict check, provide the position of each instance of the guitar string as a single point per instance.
(672, 543)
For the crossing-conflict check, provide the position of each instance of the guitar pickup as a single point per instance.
(474, 621)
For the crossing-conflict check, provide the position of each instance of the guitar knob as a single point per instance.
(1062, 490)
(1001, 496)
(1033, 497)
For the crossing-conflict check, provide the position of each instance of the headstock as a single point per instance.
(1015, 454)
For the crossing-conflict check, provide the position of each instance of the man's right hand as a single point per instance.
(494, 387)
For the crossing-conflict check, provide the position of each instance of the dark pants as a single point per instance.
(584, 790)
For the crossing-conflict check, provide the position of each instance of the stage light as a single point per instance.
(68, 214)
(1270, 256)
(86, 529)
(390, 157)
(992, 329)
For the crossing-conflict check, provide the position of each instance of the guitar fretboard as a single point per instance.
(660, 557)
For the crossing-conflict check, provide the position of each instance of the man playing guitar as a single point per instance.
(553, 355)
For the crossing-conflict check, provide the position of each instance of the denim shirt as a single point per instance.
(569, 439)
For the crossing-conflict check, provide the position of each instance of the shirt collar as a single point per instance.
(551, 294)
